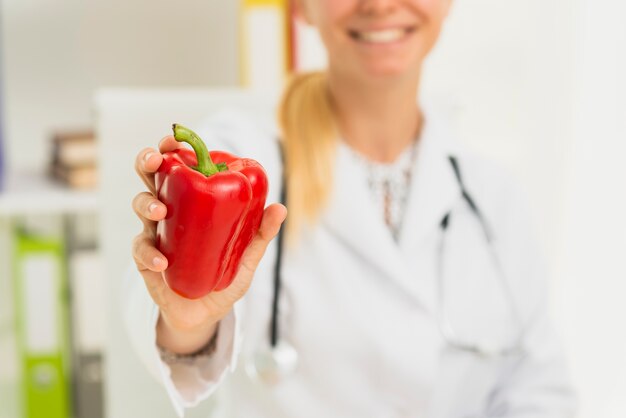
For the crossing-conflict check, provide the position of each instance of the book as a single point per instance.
(76, 177)
(74, 149)
(74, 159)
(42, 325)
(87, 285)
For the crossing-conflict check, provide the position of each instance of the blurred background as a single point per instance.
(537, 85)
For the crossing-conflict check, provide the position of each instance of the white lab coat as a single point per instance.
(362, 310)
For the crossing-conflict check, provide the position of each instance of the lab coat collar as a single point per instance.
(434, 187)
(352, 217)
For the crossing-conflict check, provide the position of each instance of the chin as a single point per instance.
(389, 70)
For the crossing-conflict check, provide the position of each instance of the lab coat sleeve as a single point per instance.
(187, 383)
(535, 385)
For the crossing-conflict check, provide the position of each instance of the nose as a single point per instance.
(377, 7)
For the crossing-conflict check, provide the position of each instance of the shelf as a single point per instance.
(34, 193)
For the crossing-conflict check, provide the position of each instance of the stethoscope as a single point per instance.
(280, 359)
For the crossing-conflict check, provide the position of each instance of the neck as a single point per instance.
(377, 120)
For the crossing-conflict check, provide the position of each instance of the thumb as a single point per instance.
(273, 217)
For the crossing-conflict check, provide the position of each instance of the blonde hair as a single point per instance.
(309, 138)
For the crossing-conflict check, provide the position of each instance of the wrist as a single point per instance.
(183, 340)
(206, 351)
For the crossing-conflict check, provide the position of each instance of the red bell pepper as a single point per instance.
(214, 203)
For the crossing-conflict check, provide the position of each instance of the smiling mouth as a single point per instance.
(384, 36)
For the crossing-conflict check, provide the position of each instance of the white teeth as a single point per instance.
(382, 36)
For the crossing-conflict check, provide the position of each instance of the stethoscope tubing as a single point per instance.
(280, 242)
(446, 329)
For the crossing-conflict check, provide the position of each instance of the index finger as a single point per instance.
(147, 163)
(169, 143)
(149, 160)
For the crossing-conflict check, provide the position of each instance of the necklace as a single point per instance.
(389, 185)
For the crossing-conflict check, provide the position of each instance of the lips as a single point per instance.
(381, 36)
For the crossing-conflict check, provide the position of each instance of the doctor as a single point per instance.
(405, 282)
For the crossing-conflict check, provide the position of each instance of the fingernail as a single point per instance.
(152, 207)
(158, 262)
(147, 156)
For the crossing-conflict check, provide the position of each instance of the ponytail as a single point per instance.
(309, 137)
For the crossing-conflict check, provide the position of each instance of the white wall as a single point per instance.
(57, 52)
(590, 273)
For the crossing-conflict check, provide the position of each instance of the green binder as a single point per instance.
(42, 325)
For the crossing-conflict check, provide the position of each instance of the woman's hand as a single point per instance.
(187, 325)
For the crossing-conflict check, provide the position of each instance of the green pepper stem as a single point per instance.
(205, 164)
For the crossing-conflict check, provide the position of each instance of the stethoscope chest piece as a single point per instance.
(271, 365)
